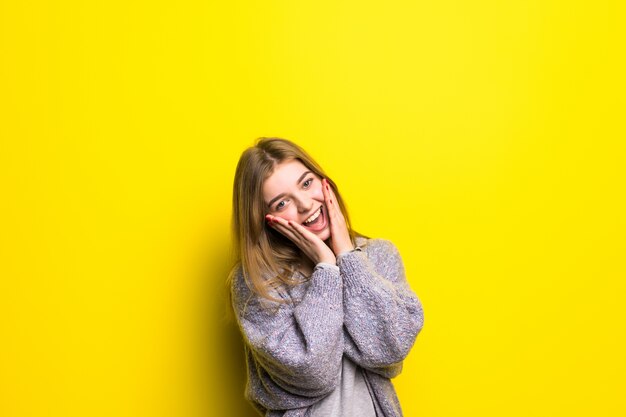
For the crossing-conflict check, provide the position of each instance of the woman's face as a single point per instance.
(293, 192)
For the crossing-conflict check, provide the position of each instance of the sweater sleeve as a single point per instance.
(382, 315)
(296, 345)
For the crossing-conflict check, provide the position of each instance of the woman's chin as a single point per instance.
(325, 235)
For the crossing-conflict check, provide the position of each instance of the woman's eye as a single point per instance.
(280, 205)
(309, 181)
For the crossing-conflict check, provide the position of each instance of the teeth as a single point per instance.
(314, 216)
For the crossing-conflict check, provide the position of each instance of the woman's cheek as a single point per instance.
(292, 214)
(319, 193)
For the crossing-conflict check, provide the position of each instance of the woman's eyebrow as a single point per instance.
(274, 199)
(283, 194)
(302, 176)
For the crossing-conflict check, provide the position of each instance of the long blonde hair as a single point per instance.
(267, 258)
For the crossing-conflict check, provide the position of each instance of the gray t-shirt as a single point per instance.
(351, 398)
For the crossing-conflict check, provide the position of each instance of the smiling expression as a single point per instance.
(293, 192)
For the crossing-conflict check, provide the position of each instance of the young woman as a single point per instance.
(326, 313)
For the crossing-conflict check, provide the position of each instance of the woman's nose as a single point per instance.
(305, 206)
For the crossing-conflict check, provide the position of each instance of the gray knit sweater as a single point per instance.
(365, 310)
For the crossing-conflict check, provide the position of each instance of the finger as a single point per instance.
(302, 231)
(328, 198)
(340, 235)
(304, 239)
(334, 213)
(313, 247)
(285, 229)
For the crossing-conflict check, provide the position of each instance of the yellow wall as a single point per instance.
(485, 138)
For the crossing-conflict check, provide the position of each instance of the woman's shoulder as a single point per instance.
(375, 245)
(236, 281)
(242, 291)
(240, 287)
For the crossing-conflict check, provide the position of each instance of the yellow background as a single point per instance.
(484, 138)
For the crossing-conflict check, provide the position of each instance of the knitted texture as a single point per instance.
(364, 309)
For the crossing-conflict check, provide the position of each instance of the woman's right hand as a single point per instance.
(311, 245)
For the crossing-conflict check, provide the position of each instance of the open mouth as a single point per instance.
(316, 221)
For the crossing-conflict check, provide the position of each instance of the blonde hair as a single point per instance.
(267, 258)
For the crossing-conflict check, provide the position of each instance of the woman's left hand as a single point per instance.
(340, 241)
